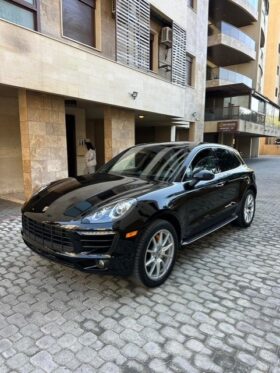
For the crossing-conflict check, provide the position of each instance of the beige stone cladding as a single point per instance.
(43, 139)
(119, 131)
(10, 149)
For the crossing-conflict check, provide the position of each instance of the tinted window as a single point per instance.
(78, 20)
(152, 163)
(226, 160)
(204, 160)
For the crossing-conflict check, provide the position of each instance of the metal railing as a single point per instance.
(220, 73)
(235, 112)
(235, 33)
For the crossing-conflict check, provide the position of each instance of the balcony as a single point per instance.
(242, 120)
(237, 12)
(235, 113)
(226, 80)
(227, 45)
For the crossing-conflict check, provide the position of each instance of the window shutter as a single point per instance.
(133, 33)
(179, 68)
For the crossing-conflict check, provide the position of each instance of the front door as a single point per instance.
(200, 203)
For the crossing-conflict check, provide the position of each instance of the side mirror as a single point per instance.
(202, 175)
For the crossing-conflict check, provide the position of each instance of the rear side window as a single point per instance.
(227, 160)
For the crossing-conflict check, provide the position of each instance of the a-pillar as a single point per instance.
(43, 139)
(119, 131)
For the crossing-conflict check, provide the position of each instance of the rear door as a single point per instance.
(229, 177)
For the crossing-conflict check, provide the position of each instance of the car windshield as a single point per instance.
(159, 162)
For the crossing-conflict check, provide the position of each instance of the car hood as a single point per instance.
(72, 198)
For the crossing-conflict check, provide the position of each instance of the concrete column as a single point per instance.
(255, 146)
(43, 139)
(243, 145)
(119, 131)
(192, 132)
(11, 180)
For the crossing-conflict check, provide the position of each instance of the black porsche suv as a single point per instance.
(136, 211)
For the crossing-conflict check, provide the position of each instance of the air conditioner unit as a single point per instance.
(166, 36)
(114, 7)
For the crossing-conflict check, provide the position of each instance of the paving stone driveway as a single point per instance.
(219, 311)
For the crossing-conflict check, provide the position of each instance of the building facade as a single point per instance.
(271, 145)
(237, 112)
(117, 72)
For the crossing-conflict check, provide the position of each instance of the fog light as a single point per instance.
(101, 264)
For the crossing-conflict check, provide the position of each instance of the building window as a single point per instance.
(152, 51)
(160, 45)
(79, 20)
(21, 12)
(278, 48)
(277, 70)
(276, 92)
(190, 65)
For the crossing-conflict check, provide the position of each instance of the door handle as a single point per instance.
(219, 185)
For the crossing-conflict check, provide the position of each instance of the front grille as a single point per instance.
(46, 234)
(97, 244)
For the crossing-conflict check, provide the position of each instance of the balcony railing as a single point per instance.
(235, 33)
(235, 112)
(229, 76)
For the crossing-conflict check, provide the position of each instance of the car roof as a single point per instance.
(189, 144)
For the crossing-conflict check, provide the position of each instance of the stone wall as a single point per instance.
(43, 138)
(268, 149)
(119, 131)
(11, 180)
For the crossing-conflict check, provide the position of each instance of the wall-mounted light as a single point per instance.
(194, 115)
(134, 95)
(141, 116)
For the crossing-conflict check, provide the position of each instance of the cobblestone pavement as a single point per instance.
(219, 312)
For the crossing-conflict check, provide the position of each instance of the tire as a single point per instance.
(153, 261)
(247, 210)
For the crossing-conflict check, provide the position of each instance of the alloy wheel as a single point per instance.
(249, 208)
(159, 254)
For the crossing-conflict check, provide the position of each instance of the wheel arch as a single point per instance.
(168, 216)
(253, 188)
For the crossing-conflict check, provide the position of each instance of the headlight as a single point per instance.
(110, 212)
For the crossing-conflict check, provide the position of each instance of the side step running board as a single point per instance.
(209, 231)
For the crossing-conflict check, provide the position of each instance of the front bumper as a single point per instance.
(86, 252)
